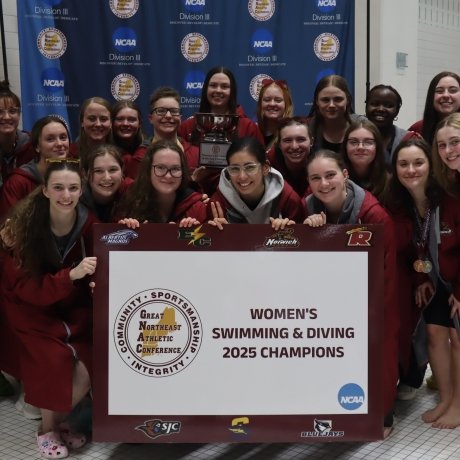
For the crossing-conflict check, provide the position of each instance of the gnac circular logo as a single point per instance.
(261, 10)
(158, 332)
(255, 84)
(125, 87)
(51, 43)
(194, 47)
(124, 8)
(326, 46)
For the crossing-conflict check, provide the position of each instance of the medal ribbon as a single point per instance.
(422, 232)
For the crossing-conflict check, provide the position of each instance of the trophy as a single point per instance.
(215, 131)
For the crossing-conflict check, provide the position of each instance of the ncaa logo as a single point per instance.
(52, 80)
(351, 396)
(326, 6)
(262, 41)
(124, 40)
(194, 5)
(193, 82)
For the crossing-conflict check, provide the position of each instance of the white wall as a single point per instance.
(12, 45)
(438, 43)
(393, 26)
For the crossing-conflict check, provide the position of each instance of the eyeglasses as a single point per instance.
(130, 120)
(366, 143)
(250, 169)
(72, 161)
(12, 111)
(161, 171)
(162, 111)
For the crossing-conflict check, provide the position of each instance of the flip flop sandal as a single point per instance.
(71, 438)
(50, 445)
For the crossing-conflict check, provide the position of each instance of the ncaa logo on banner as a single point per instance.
(124, 39)
(125, 87)
(157, 332)
(255, 84)
(326, 47)
(124, 8)
(193, 82)
(261, 10)
(194, 5)
(194, 47)
(52, 80)
(262, 41)
(51, 43)
(326, 6)
(351, 396)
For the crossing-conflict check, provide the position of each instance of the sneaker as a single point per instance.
(406, 392)
(6, 389)
(30, 412)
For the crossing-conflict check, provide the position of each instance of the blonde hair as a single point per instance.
(445, 176)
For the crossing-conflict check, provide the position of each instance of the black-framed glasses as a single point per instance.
(162, 170)
(250, 169)
(162, 111)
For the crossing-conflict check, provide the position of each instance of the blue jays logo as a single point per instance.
(119, 237)
(323, 426)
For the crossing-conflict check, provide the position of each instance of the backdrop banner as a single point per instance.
(124, 49)
(240, 335)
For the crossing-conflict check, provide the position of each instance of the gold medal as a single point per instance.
(427, 266)
(419, 266)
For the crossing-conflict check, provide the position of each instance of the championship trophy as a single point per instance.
(216, 132)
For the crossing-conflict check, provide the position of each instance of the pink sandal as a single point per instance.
(51, 446)
(71, 439)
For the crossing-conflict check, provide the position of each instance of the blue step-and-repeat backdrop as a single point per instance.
(124, 49)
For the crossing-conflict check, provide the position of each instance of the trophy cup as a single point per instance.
(215, 131)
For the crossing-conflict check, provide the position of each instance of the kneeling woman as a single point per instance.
(338, 200)
(161, 192)
(48, 303)
(250, 191)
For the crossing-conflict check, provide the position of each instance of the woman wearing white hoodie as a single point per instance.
(250, 191)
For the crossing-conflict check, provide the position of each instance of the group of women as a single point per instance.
(330, 167)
